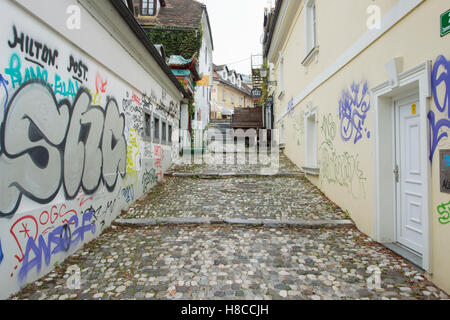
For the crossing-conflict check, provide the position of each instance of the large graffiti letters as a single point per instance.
(46, 144)
(353, 109)
(440, 82)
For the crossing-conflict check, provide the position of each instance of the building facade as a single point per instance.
(89, 121)
(229, 91)
(361, 103)
(183, 27)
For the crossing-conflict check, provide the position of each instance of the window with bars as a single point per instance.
(164, 133)
(156, 129)
(148, 7)
(148, 125)
(169, 134)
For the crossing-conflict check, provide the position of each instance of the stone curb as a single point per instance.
(232, 174)
(305, 224)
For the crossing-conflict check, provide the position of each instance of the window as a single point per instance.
(148, 7)
(232, 98)
(163, 132)
(156, 130)
(310, 21)
(224, 95)
(311, 142)
(169, 134)
(240, 102)
(147, 125)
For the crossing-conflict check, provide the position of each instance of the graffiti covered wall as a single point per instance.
(72, 148)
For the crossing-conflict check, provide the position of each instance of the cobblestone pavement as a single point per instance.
(231, 261)
(245, 198)
(234, 163)
(223, 262)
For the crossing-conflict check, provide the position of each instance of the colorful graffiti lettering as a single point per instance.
(444, 212)
(135, 98)
(60, 87)
(159, 157)
(46, 147)
(100, 83)
(61, 239)
(342, 169)
(133, 151)
(15, 68)
(440, 77)
(353, 108)
(28, 225)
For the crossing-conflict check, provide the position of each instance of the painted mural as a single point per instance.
(71, 149)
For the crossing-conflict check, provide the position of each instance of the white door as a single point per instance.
(408, 175)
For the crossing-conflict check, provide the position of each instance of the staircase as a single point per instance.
(257, 79)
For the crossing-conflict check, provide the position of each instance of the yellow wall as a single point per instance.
(416, 38)
(217, 97)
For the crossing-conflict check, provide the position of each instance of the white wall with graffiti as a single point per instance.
(73, 145)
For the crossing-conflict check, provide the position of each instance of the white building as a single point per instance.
(88, 125)
(177, 16)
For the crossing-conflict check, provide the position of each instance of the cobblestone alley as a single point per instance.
(224, 232)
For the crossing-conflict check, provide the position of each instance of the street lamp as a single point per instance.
(263, 73)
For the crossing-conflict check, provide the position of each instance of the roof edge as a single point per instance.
(272, 27)
(209, 26)
(126, 14)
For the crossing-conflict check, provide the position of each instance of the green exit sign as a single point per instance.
(445, 23)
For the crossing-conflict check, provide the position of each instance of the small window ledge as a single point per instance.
(282, 146)
(310, 56)
(313, 171)
(281, 95)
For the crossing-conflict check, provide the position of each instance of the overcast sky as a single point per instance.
(237, 27)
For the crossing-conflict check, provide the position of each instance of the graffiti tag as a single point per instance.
(444, 213)
(440, 77)
(353, 108)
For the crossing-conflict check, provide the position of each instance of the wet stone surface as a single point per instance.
(223, 262)
(245, 198)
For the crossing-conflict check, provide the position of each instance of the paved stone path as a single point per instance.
(245, 198)
(229, 261)
(230, 163)
(233, 263)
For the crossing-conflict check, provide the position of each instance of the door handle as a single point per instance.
(396, 173)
